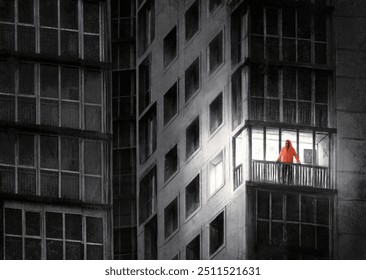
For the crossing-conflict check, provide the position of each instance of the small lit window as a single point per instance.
(216, 113)
(171, 163)
(217, 233)
(216, 173)
(171, 218)
(192, 137)
(170, 46)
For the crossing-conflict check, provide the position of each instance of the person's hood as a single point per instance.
(290, 144)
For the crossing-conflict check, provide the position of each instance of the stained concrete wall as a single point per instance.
(350, 26)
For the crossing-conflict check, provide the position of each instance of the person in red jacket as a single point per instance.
(286, 156)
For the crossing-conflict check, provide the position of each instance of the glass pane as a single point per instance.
(289, 111)
(257, 144)
(7, 108)
(321, 115)
(7, 38)
(25, 11)
(303, 24)
(94, 252)
(257, 81)
(288, 22)
(92, 157)
(293, 235)
(7, 76)
(272, 144)
(69, 44)
(70, 114)
(320, 53)
(321, 87)
(70, 154)
(322, 149)
(7, 153)
(289, 84)
(289, 49)
(32, 223)
(272, 48)
(73, 227)
(13, 248)
(304, 51)
(304, 84)
(292, 207)
(262, 233)
(13, 221)
(306, 147)
(69, 14)
(49, 42)
(49, 112)
(272, 82)
(70, 83)
(32, 249)
(307, 237)
(277, 234)
(49, 184)
(322, 211)
(93, 189)
(49, 81)
(277, 206)
(273, 110)
(305, 113)
(7, 11)
(49, 152)
(74, 251)
(307, 209)
(26, 149)
(27, 110)
(91, 16)
(26, 79)
(48, 12)
(93, 118)
(257, 20)
(320, 27)
(94, 230)
(7, 179)
(271, 21)
(53, 225)
(322, 240)
(54, 250)
(257, 50)
(69, 186)
(263, 205)
(91, 47)
(26, 181)
(92, 87)
(26, 39)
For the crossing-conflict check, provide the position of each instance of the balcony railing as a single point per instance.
(290, 174)
(238, 176)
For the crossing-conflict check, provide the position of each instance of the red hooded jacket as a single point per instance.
(287, 155)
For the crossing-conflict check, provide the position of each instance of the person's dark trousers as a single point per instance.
(286, 173)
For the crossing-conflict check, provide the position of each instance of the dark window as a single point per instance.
(147, 199)
(49, 184)
(147, 137)
(192, 196)
(170, 46)
(92, 158)
(70, 83)
(91, 16)
(92, 117)
(91, 47)
(13, 221)
(70, 154)
(217, 233)
(25, 11)
(192, 137)
(216, 113)
(171, 218)
(73, 227)
(192, 79)
(192, 20)
(49, 81)
(170, 103)
(92, 87)
(70, 185)
(236, 98)
(69, 14)
(7, 11)
(70, 44)
(151, 240)
(49, 41)
(144, 83)
(7, 153)
(171, 163)
(193, 249)
(26, 149)
(48, 12)
(7, 78)
(146, 23)
(32, 223)
(26, 79)
(49, 152)
(54, 225)
(216, 52)
(94, 230)
(213, 5)
(26, 39)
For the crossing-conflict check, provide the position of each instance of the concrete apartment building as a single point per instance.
(55, 130)
(220, 86)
